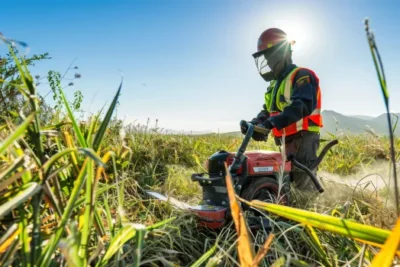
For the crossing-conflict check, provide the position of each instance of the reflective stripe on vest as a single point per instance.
(284, 92)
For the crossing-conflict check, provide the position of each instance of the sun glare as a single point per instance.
(295, 31)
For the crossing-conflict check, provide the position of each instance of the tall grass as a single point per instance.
(49, 204)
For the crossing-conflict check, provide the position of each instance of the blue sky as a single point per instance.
(189, 64)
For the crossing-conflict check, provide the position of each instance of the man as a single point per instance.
(292, 103)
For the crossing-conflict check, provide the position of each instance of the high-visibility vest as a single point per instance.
(282, 99)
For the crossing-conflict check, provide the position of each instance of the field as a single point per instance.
(72, 194)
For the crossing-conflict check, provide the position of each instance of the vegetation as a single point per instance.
(72, 193)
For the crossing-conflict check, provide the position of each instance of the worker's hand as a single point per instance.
(243, 128)
(259, 137)
(267, 125)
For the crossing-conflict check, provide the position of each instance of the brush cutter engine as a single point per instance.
(262, 175)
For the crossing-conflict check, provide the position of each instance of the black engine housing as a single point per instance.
(216, 163)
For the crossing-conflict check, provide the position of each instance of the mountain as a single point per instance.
(184, 132)
(363, 117)
(335, 123)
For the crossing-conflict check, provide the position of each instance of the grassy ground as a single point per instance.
(176, 157)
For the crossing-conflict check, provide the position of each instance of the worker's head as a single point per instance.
(273, 53)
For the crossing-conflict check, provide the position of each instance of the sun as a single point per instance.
(296, 31)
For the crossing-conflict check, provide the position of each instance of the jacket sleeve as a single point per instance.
(261, 117)
(304, 101)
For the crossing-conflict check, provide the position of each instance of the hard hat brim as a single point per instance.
(268, 51)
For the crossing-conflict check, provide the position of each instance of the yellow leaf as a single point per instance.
(279, 262)
(385, 256)
(8, 241)
(263, 251)
(105, 159)
(246, 253)
(314, 235)
(374, 245)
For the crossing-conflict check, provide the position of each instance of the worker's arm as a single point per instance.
(304, 101)
(261, 116)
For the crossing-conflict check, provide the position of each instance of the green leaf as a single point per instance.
(205, 256)
(24, 237)
(93, 124)
(69, 247)
(93, 155)
(124, 235)
(106, 121)
(140, 233)
(279, 262)
(99, 192)
(6, 182)
(51, 245)
(333, 224)
(28, 191)
(81, 139)
(19, 132)
(88, 213)
(50, 162)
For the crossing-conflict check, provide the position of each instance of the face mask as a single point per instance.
(268, 76)
(268, 69)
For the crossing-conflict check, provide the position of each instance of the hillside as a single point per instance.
(336, 122)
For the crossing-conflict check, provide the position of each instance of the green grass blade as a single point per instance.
(51, 161)
(124, 235)
(77, 130)
(26, 192)
(316, 248)
(16, 164)
(139, 243)
(99, 192)
(382, 80)
(19, 132)
(87, 151)
(28, 81)
(88, 214)
(160, 224)
(205, 257)
(51, 246)
(333, 224)
(69, 247)
(52, 198)
(99, 223)
(298, 263)
(100, 133)
(92, 154)
(93, 124)
(4, 184)
(24, 238)
(111, 227)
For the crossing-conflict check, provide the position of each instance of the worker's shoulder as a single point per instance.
(304, 76)
(302, 71)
